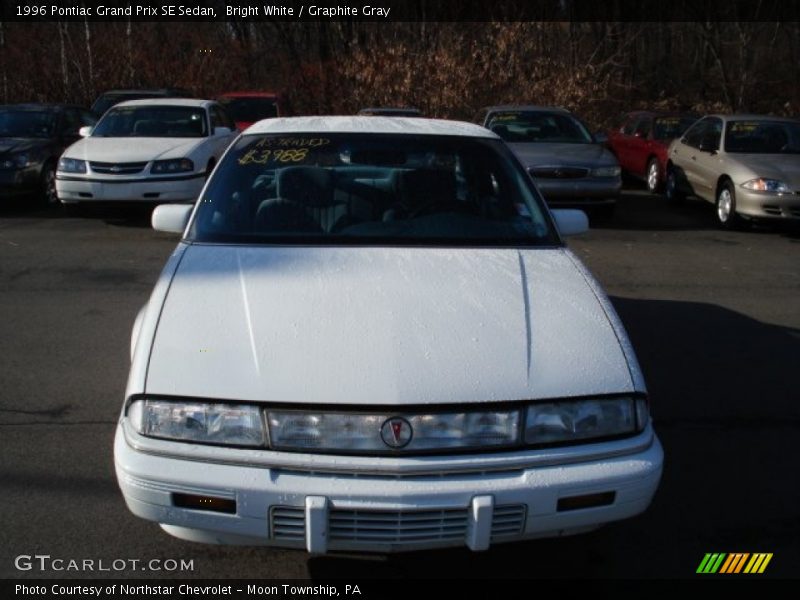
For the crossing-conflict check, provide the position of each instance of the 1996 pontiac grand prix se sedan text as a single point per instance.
(372, 337)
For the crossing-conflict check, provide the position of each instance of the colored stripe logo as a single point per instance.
(736, 562)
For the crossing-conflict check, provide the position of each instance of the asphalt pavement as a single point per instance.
(714, 317)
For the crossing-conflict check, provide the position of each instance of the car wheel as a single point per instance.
(47, 192)
(726, 207)
(653, 176)
(674, 194)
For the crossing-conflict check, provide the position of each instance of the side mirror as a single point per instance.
(570, 221)
(600, 137)
(171, 218)
(85, 131)
(222, 130)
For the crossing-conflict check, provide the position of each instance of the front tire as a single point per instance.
(672, 189)
(653, 176)
(48, 194)
(727, 217)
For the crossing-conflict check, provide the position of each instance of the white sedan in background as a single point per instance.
(155, 150)
(372, 337)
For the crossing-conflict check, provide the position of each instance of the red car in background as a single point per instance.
(640, 143)
(247, 108)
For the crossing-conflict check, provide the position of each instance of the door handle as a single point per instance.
(694, 157)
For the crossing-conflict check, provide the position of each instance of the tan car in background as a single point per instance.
(747, 165)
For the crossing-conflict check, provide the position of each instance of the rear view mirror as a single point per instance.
(570, 221)
(171, 218)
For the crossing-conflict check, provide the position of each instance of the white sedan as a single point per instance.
(156, 150)
(372, 337)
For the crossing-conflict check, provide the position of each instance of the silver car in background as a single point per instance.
(747, 165)
(571, 167)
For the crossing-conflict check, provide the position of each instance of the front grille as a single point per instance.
(288, 523)
(788, 211)
(394, 527)
(397, 527)
(559, 172)
(508, 520)
(117, 168)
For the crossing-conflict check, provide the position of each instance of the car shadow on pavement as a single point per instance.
(641, 211)
(727, 411)
(121, 215)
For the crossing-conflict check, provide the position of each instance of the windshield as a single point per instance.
(762, 137)
(26, 123)
(153, 121)
(668, 128)
(250, 110)
(538, 126)
(106, 101)
(370, 189)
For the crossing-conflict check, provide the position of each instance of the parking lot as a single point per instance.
(714, 317)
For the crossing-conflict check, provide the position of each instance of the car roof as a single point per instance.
(527, 107)
(365, 124)
(747, 116)
(388, 110)
(196, 102)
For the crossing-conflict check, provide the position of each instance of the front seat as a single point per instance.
(305, 202)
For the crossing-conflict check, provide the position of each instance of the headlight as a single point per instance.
(386, 433)
(72, 165)
(383, 432)
(767, 185)
(549, 422)
(15, 161)
(229, 424)
(606, 172)
(176, 165)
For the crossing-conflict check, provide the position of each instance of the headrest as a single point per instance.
(309, 186)
(146, 127)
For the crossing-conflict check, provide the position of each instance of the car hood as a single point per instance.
(378, 326)
(131, 149)
(785, 167)
(555, 155)
(12, 145)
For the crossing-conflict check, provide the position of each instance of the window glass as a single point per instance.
(538, 126)
(371, 189)
(152, 121)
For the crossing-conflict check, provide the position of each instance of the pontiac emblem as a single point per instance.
(396, 432)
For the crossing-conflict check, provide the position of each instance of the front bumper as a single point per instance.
(73, 189)
(588, 190)
(763, 205)
(19, 182)
(384, 505)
